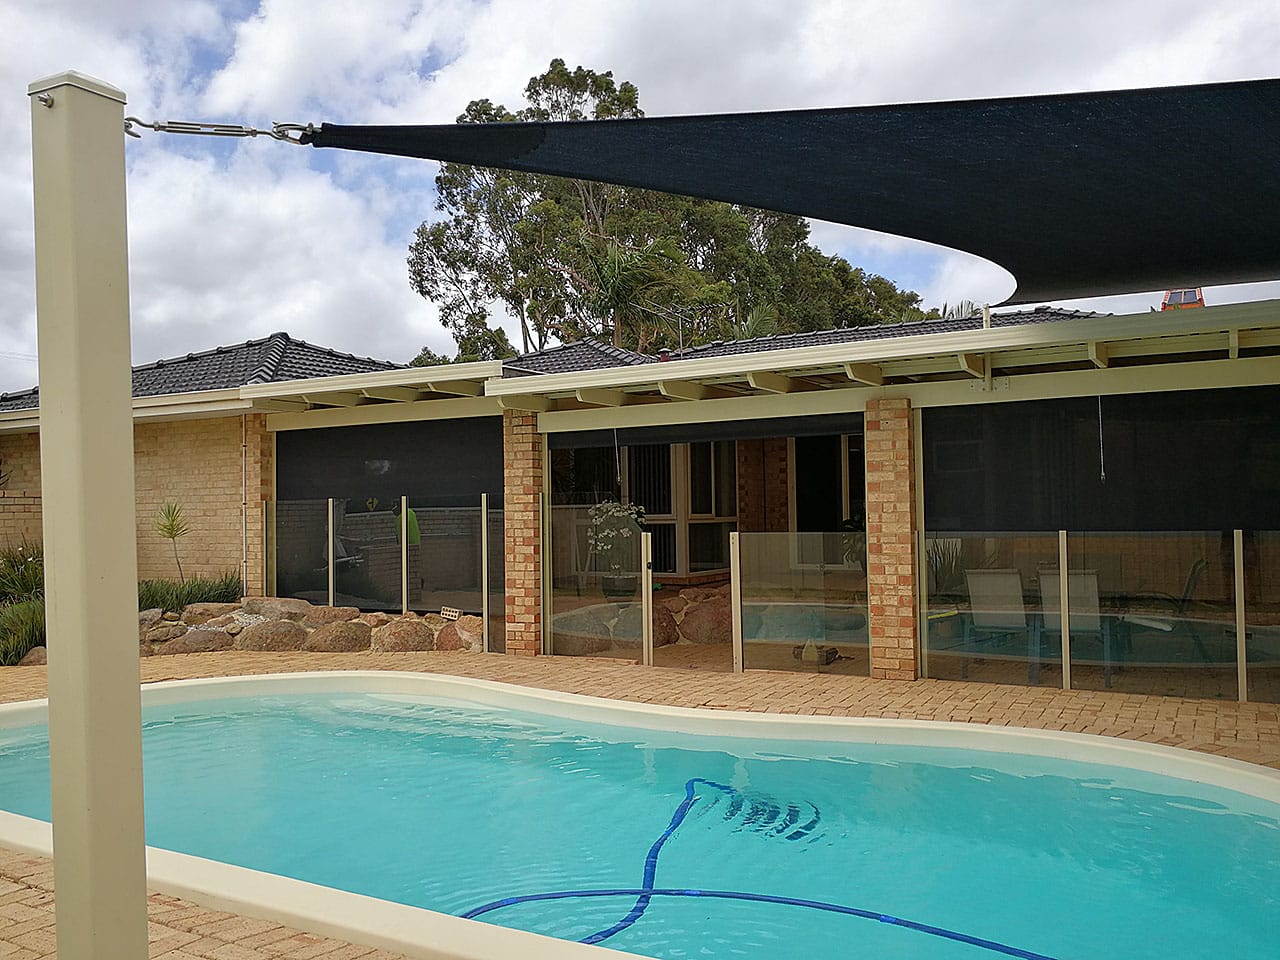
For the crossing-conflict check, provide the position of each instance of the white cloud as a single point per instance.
(230, 242)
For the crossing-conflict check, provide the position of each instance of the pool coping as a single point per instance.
(418, 932)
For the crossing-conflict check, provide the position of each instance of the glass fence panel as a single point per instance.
(366, 551)
(987, 594)
(444, 569)
(1262, 614)
(1156, 613)
(595, 581)
(298, 554)
(496, 628)
(709, 545)
(804, 602)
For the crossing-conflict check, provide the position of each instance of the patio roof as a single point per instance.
(1083, 194)
(913, 354)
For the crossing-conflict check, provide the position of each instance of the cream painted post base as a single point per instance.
(90, 540)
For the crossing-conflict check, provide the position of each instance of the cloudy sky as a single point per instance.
(231, 240)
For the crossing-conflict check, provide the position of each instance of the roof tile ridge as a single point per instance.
(265, 371)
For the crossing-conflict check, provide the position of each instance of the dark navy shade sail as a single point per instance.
(1076, 195)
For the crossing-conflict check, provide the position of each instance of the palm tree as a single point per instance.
(622, 281)
(171, 524)
(760, 321)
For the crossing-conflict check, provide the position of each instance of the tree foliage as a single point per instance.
(568, 259)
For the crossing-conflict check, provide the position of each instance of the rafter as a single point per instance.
(1099, 356)
(527, 403)
(396, 394)
(974, 364)
(603, 398)
(691, 390)
(867, 373)
(336, 399)
(458, 388)
(773, 382)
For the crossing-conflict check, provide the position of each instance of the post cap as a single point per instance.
(72, 78)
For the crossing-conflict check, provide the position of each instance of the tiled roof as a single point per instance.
(584, 355)
(878, 332)
(269, 360)
(573, 357)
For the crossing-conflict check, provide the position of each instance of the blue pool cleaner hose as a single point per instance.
(645, 894)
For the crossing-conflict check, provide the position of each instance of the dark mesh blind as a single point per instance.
(1202, 460)
(443, 462)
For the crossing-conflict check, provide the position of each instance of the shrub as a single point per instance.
(21, 629)
(174, 595)
(21, 573)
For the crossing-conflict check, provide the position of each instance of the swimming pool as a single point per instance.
(744, 836)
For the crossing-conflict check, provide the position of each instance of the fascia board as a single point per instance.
(1056, 333)
(404, 377)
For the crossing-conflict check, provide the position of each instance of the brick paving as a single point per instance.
(184, 931)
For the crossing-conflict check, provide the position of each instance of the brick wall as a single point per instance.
(891, 539)
(522, 492)
(19, 517)
(195, 463)
(762, 485)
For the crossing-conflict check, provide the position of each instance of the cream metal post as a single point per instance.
(1064, 594)
(404, 554)
(484, 567)
(646, 599)
(1242, 677)
(333, 563)
(268, 549)
(922, 594)
(735, 599)
(90, 539)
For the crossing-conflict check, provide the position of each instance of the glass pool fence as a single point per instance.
(1186, 613)
(788, 601)
(409, 554)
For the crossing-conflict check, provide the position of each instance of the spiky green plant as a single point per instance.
(172, 595)
(21, 629)
(171, 524)
(21, 572)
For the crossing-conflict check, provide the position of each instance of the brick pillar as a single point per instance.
(891, 539)
(522, 501)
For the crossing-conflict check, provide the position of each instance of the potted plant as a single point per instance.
(614, 539)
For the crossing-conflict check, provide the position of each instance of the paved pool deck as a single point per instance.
(184, 931)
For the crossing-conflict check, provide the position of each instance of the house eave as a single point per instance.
(1211, 331)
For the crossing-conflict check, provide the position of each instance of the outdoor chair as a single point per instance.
(1176, 620)
(997, 612)
(1084, 611)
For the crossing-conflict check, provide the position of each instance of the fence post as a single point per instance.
(1242, 668)
(404, 554)
(332, 561)
(484, 567)
(1064, 593)
(646, 599)
(922, 580)
(735, 599)
(270, 539)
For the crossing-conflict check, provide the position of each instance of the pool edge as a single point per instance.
(426, 934)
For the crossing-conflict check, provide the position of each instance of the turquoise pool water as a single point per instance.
(454, 807)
